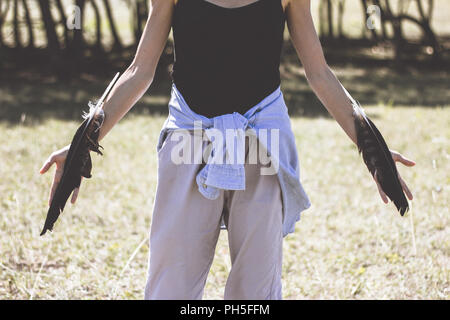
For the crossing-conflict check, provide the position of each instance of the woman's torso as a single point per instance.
(227, 59)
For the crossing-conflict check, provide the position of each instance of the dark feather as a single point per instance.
(78, 161)
(378, 158)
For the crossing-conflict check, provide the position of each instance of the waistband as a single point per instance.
(218, 173)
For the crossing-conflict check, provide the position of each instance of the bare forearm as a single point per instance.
(326, 86)
(130, 87)
(321, 79)
(331, 93)
(133, 83)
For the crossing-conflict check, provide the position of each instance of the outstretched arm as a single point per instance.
(131, 85)
(322, 79)
(138, 77)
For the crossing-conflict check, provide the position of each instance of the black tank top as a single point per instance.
(227, 60)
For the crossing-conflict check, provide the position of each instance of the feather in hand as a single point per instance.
(378, 158)
(78, 161)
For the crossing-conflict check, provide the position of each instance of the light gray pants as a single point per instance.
(186, 225)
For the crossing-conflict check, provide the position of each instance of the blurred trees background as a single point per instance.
(91, 32)
(58, 22)
(392, 17)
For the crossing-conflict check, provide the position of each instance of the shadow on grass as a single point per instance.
(36, 101)
(30, 97)
(372, 87)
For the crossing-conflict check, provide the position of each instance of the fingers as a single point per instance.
(405, 188)
(74, 195)
(380, 191)
(56, 179)
(407, 162)
(382, 194)
(47, 165)
(402, 159)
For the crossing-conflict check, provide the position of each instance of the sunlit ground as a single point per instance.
(347, 245)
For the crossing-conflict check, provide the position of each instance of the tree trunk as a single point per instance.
(29, 24)
(399, 41)
(63, 20)
(383, 20)
(77, 43)
(321, 18)
(3, 15)
(2, 19)
(140, 19)
(428, 33)
(98, 26)
(117, 43)
(373, 32)
(341, 9)
(330, 19)
(430, 9)
(16, 30)
(49, 25)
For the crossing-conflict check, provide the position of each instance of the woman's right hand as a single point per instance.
(58, 158)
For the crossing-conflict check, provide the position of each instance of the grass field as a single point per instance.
(347, 245)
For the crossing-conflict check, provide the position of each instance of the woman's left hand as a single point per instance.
(397, 157)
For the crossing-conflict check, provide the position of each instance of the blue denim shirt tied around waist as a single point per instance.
(270, 113)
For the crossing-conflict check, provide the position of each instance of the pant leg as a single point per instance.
(254, 224)
(184, 232)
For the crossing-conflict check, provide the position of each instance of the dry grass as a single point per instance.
(348, 245)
